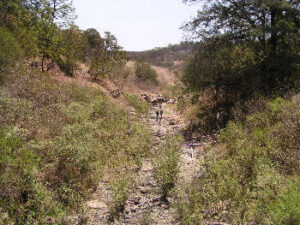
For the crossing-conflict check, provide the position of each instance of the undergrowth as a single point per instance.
(167, 165)
(252, 175)
(120, 188)
(56, 142)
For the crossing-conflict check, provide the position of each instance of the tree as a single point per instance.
(144, 72)
(107, 57)
(18, 20)
(70, 50)
(243, 48)
(49, 16)
(10, 50)
(91, 44)
(271, 26)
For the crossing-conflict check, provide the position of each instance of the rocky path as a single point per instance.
(144, 205)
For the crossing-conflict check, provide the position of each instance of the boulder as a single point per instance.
(115, 93)
(160, 99)
(97, 205)
(145, 97)
(172, 101)
(144, 190)
(172, 123)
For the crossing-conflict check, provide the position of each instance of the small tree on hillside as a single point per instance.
(47, 17)
(10, 50)
(70, 50)
(107, 58)
(144, 72)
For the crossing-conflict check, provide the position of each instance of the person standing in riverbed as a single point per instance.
(161, 111)
(157, 112)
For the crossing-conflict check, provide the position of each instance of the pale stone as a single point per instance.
(97, 205)
(147, 166)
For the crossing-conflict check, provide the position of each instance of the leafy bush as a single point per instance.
(144, 72)
(286, 209)
(120, 187)
(167, 165)
(76, 163)
(24, 199)
(10, 50)
(107, 57)
(70, 137)
(249, 176)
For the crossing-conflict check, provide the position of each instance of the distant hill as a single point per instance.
(171, 56)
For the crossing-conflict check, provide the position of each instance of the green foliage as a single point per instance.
(244, 48)
(126, 72)
(286, 209)
(70, 52)
(107, 59)
(77, 167)
(24, 199)
(10, 50)
(218, 63)
(19, 21)
(120, 188)
(226, 73)
(91, 43)
(45, 29)
(141, 107)
(70, 137)
(167, 165)
(52, 15)
(249, 176)
(145, 72)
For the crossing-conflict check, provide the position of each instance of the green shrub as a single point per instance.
(71, 136)
(144, 72)
(249, 176)
(77, 163)
(167, 165)
(79, 111)
(126, 72)
(14, 110)
(23, 197)
(10, 50)
(120, 187)
(286, 209)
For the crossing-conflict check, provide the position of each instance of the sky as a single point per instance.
(138, 24)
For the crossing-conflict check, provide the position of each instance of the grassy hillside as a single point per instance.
(57, 140)
(169, 56)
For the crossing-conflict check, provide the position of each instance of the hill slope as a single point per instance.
(170, 56)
